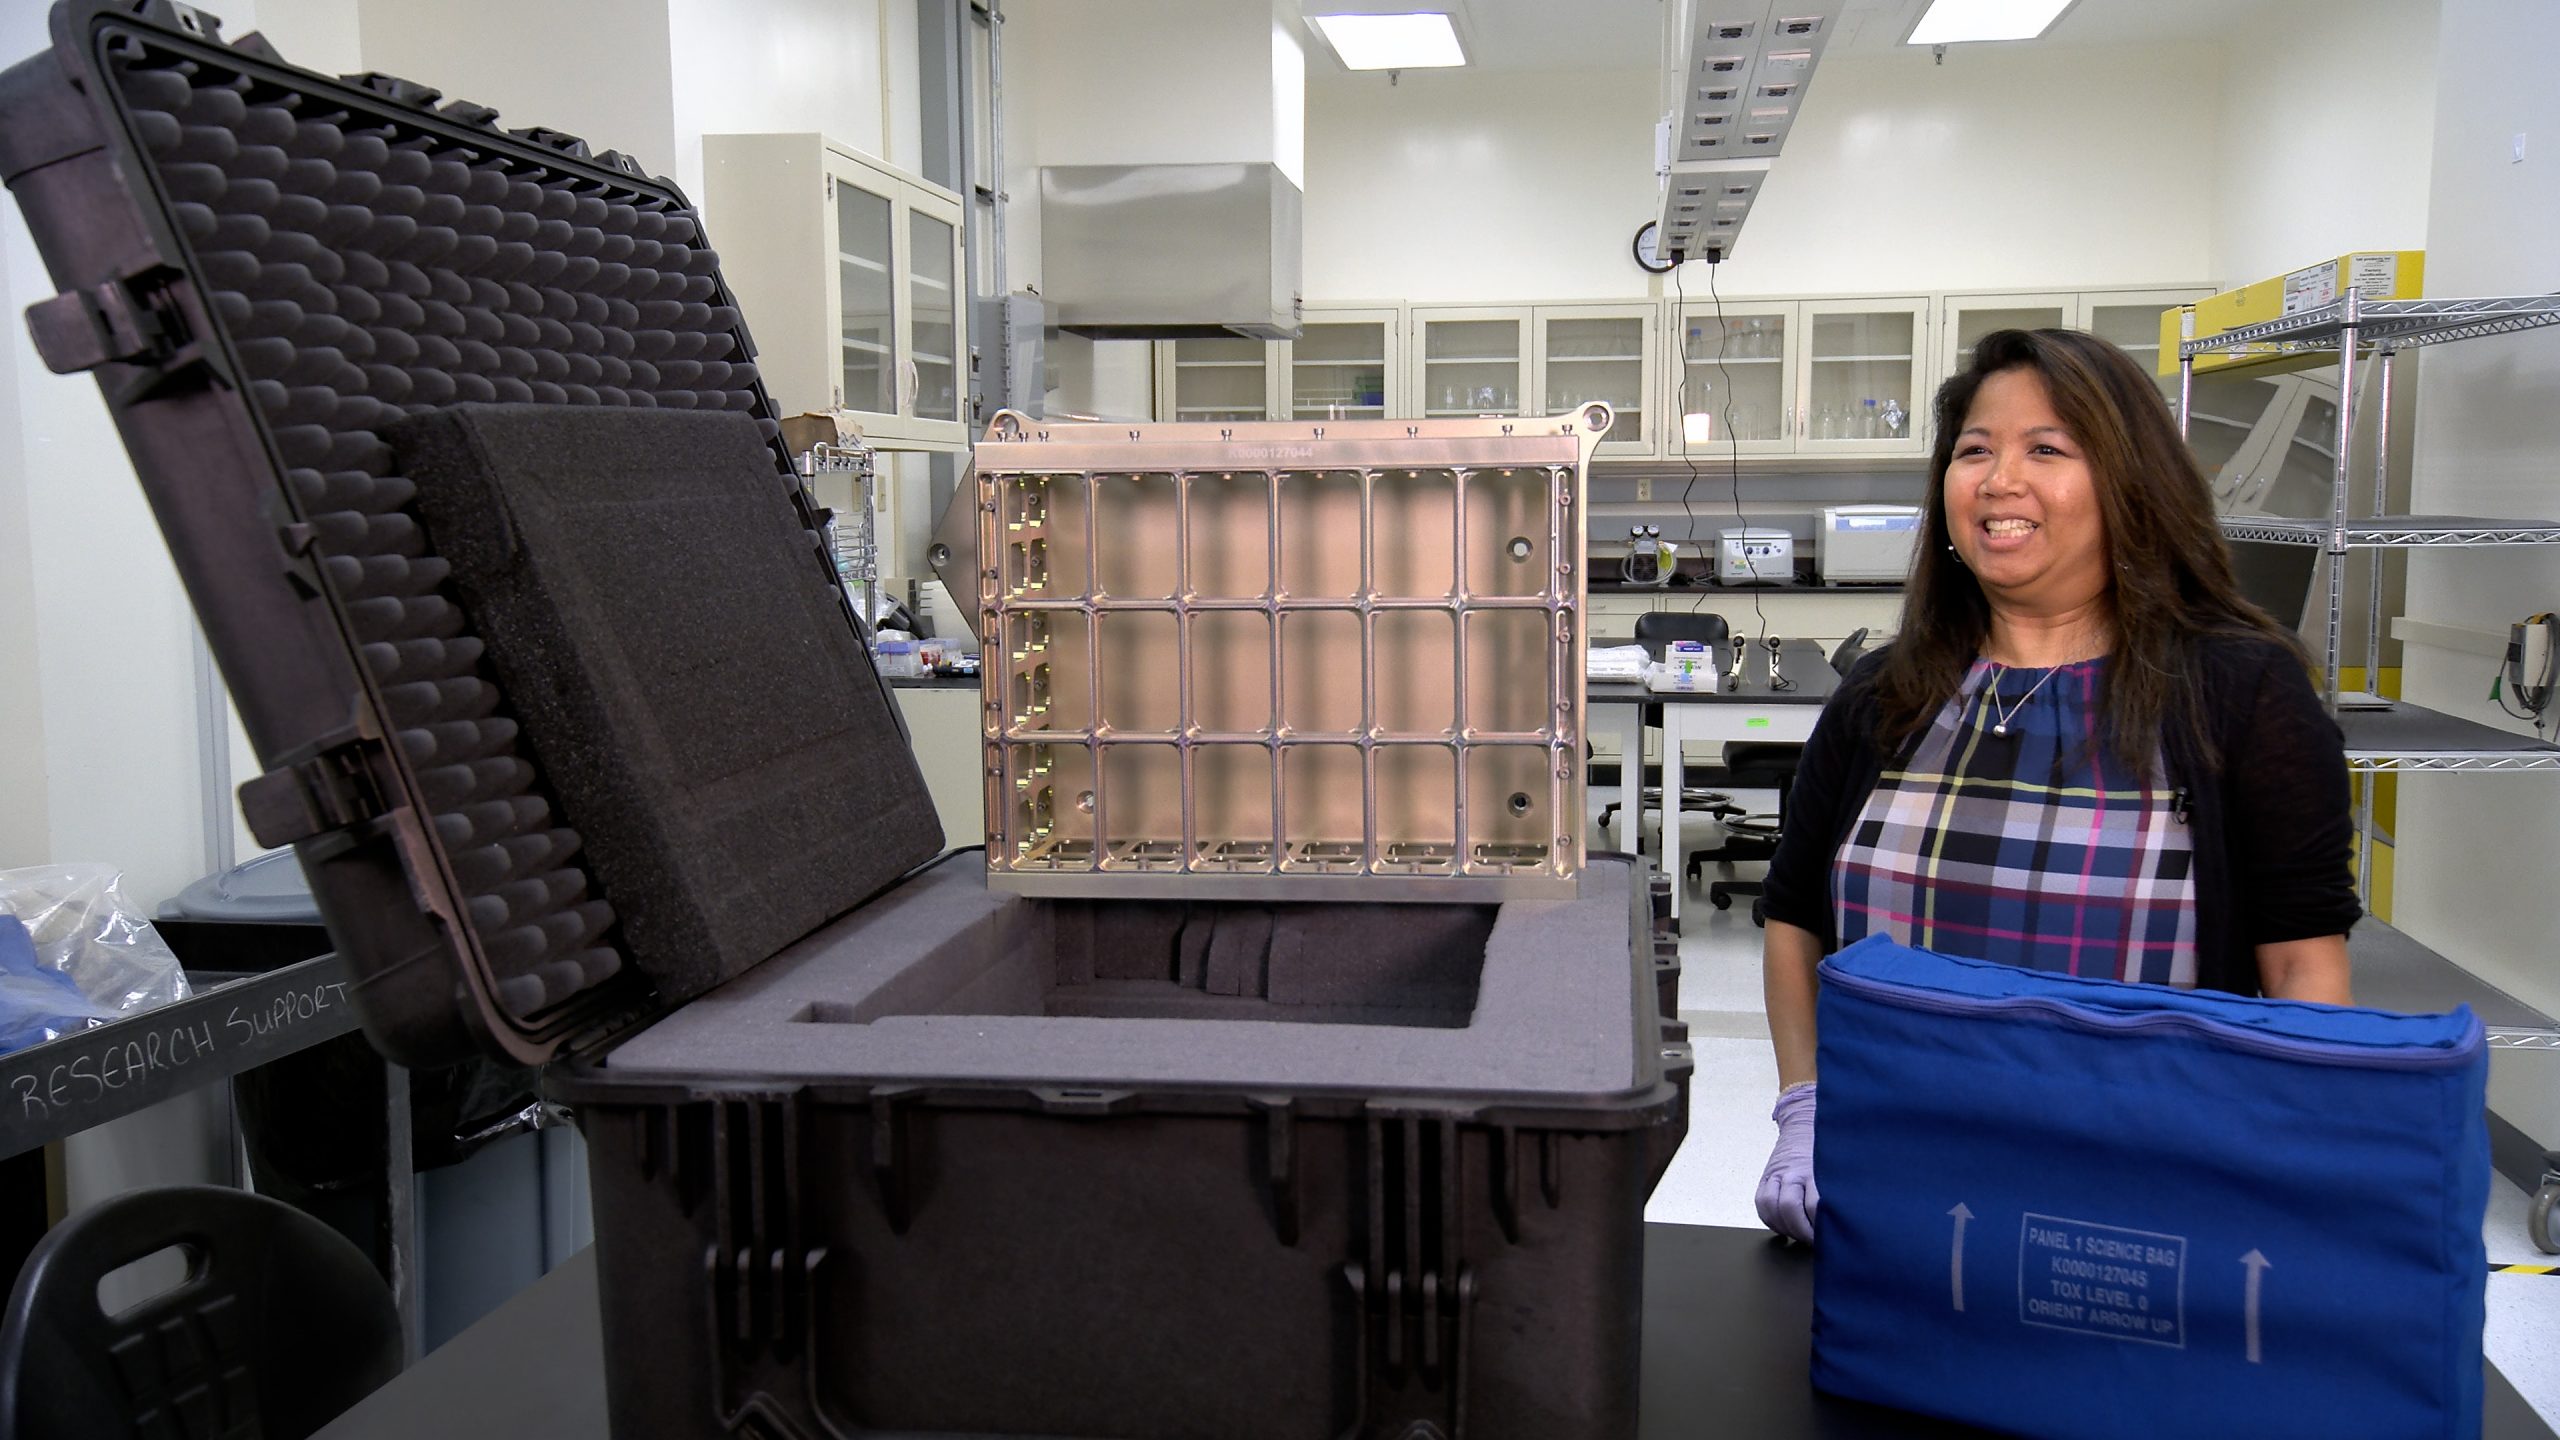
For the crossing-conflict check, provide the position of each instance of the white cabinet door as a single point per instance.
(936, 387)
(1224, 377)
(1862, 377)
(898, 330)
(2130, 319)
(1601, 352)
(1964, 319)
(1470, 360)
(1736, 367)
(1345, 364)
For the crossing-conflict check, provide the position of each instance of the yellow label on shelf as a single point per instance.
(2374, 274)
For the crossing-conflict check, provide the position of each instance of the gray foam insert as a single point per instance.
(943, 979)
(682, 663)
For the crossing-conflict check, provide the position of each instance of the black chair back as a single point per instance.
(1850, 650)
(279, 1326)
(1657, 628)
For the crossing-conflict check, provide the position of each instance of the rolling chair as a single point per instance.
(278, 1327)
(1766, 765)
(1656, 629)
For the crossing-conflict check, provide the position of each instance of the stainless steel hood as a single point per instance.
(1172, 252)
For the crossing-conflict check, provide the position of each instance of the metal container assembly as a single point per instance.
(1327, 661)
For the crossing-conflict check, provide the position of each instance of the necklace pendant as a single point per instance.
(1999, 729)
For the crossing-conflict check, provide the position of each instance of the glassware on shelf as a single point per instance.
(1895, 417)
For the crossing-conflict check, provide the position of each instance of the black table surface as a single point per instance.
(1727, 1323)
(1804, 662)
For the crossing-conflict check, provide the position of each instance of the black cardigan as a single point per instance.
(2270, 826)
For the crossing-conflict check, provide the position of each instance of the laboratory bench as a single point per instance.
(1728, 1316)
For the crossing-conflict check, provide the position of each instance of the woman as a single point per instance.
(2085, 752)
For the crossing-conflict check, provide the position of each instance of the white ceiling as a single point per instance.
(1562, 35)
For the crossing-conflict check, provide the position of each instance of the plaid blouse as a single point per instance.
(2025, 848)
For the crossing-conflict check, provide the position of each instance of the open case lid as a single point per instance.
(264, 267)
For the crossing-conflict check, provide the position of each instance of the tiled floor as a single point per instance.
(1712, 1179)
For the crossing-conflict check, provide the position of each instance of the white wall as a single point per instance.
(743, 67)
(98, 738)
(2474, 852)
(1151, 82)
(2005, 169)
(2327, 134)
(593, 68)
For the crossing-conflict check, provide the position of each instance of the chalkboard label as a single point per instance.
(80, 1080)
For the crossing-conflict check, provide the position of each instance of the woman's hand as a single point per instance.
(2314, 969)
(1787, 1201)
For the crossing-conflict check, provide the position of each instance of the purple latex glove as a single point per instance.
(1788, 1202)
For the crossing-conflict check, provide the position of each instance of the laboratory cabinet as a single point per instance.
(1346, 364)
(1837, 378)
(1218, 377)
(2128, 318)
(1608, 353)
(1469, 360)
(849, 273)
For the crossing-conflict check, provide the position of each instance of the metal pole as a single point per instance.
(400, 1194)
(2349, 325)
(2186, 370)
(2375, 554)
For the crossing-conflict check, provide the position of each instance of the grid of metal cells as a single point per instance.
(1344, 666)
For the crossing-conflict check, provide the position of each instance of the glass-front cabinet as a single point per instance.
(1964, 319)
(1737, 372)
(1469, 361)
(2131, 320)
(1600, 352)
(1345, 365)
(1865, 366)
(850, 272)
(1222, 377)
(1803, 377)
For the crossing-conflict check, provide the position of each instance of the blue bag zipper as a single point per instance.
(2466, 1043)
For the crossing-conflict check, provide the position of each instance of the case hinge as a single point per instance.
(396, 89)
(1414, 1295)
(330, 786)
(115, 320)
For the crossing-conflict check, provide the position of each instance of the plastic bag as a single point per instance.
(37, 1004)
(81, 928)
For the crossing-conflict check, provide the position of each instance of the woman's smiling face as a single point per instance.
(2022, 505)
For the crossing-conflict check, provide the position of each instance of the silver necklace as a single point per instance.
(1991, 696)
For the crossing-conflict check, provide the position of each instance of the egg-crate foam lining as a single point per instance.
(367, 268)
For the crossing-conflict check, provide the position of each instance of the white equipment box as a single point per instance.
(1754, 556)
(1865, 544)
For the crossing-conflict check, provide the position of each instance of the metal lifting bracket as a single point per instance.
(123, 318)
(325, 786)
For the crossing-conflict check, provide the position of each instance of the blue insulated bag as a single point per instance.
(2064, 1207)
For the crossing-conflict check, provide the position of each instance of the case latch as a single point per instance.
(80, 330)
(330, 788)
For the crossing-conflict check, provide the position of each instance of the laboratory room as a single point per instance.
(1279, 719)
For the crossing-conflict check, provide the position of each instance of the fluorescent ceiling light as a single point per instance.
(1952, 22)
(1392, 42)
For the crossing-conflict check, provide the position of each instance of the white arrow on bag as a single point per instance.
(2258, 1266)
(1955, 1261)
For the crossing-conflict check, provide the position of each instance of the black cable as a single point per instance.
(1682, 292)
(1733, 451)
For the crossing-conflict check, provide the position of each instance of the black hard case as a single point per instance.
(957, 1163)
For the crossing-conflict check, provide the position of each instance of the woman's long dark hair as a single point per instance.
(2170, 575)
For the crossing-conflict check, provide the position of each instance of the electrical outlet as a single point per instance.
(1644, 489)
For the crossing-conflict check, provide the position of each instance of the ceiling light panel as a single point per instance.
(1748, 63)
(1738, 72)
(1420, 41)
(1954, 22)
(1704, 204)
